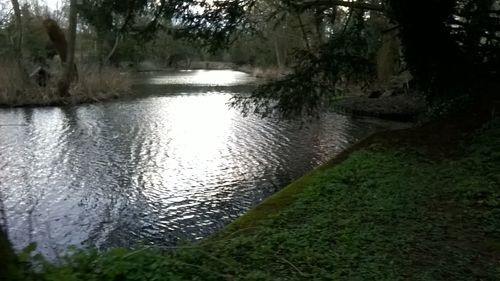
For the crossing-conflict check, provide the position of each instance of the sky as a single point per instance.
(53, 3)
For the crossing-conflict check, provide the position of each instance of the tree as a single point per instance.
(70, 72)
(18, 42)
(113, 20)
(443, 41)
(346, 54)
(454, 49)
(110, 19)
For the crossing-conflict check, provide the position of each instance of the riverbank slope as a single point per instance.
(417, 204)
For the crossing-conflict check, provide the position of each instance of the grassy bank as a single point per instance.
(420, 204)
(92, 86)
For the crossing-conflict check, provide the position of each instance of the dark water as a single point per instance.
(153, 170)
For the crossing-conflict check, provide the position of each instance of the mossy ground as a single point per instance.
(399, 206)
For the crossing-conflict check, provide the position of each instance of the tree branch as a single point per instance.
(333, 3)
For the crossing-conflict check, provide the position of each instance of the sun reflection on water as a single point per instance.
(203, 78)
(194, 132)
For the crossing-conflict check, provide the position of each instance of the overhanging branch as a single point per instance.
(333, 3)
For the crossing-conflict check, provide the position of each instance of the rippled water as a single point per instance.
(153, 170)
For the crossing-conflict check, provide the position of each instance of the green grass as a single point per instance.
(382, 214)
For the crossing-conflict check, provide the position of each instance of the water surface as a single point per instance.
(174, 165)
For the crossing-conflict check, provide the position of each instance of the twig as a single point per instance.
(202, 269)
(136, 252)
(217, 259)
(193, 246)
(201, 245)
(294, 267)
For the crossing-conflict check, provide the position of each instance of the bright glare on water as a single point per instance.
(152, 170)
(203, 78)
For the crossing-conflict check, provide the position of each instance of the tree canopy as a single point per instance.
(450, 46)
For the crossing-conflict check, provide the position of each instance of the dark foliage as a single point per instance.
(215, 24)
(312, 85)
(452, 47)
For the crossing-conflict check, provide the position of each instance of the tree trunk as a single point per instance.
(434, 58)
(278, 55)
(318, 25)
(19, 27)
(113, 50)
(70, 68)
(18, 43)
(100, 49)
(304, 32)
(9, 266)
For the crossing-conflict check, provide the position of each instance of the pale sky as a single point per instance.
(52, 3)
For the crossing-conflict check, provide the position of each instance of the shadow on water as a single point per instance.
(175, 165)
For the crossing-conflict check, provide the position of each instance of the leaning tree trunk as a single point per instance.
(107, 59)
(70, 73)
